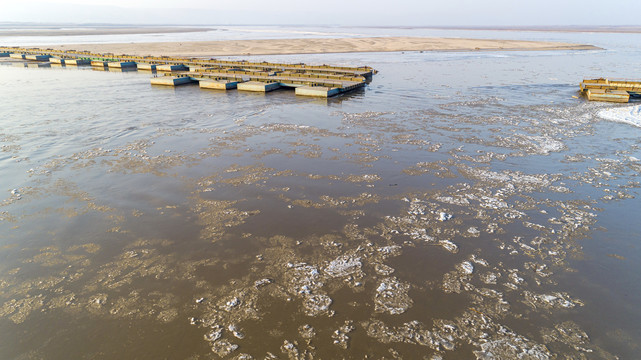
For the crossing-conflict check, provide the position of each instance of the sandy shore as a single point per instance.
(316, 46)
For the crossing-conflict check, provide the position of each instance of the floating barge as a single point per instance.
(308, 80)
(611, 90)
(77, 62)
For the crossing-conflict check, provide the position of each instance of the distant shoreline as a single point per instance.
(46, 29)
(99, 30)
(630, 29)
(320, 46)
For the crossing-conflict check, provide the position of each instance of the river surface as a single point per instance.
(462, 205)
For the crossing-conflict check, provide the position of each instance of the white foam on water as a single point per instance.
(629, 115)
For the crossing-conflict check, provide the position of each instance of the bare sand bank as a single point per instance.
(316, 46)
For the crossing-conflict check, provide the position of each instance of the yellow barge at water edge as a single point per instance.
(611, 90)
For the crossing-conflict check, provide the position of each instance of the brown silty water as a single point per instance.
(199, 225)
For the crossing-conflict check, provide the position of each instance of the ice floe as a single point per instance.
(628, 114)
(443, 216)
(343, 266)
(391, 296)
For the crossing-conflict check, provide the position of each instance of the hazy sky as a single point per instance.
(337, 12)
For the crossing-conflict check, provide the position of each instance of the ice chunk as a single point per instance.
(443, 216)
(340, 336)
(383, 269)
(343, 265)
(317, 304)
(223, 348)
(628, 115)
(262, 282)
(234, 330)
(449, 246)
(473, 231)
(512, 349)
(215, 333)
(307, 331)
(466, 267)
(391, 296)
(232, 303)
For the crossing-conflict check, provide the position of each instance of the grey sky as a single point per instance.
(337, 12)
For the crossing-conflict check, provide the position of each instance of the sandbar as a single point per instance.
(319, 46)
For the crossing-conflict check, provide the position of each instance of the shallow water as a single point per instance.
(463, 205)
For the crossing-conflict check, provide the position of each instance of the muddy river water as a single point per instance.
(461, 206)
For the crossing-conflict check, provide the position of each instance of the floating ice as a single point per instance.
(548, 144)
(391, 297)
(569, 333)
(443, 216)
(215, 333)
(489, 278)
(459, 200)
(492, 203)
(223, 348)
(340, 336)
(343, 265)
(449, 246)
(307, 331)
(479, 261)
(515, 278)
(466, 267)
(628, 114)
(554, 300)
(234, 330)
(317, 304)
(392, 250)
(383, 269)
(303, 278)
(262, 282)
(290, 349)
(16, 194)
(517, 348)
(233, 302)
